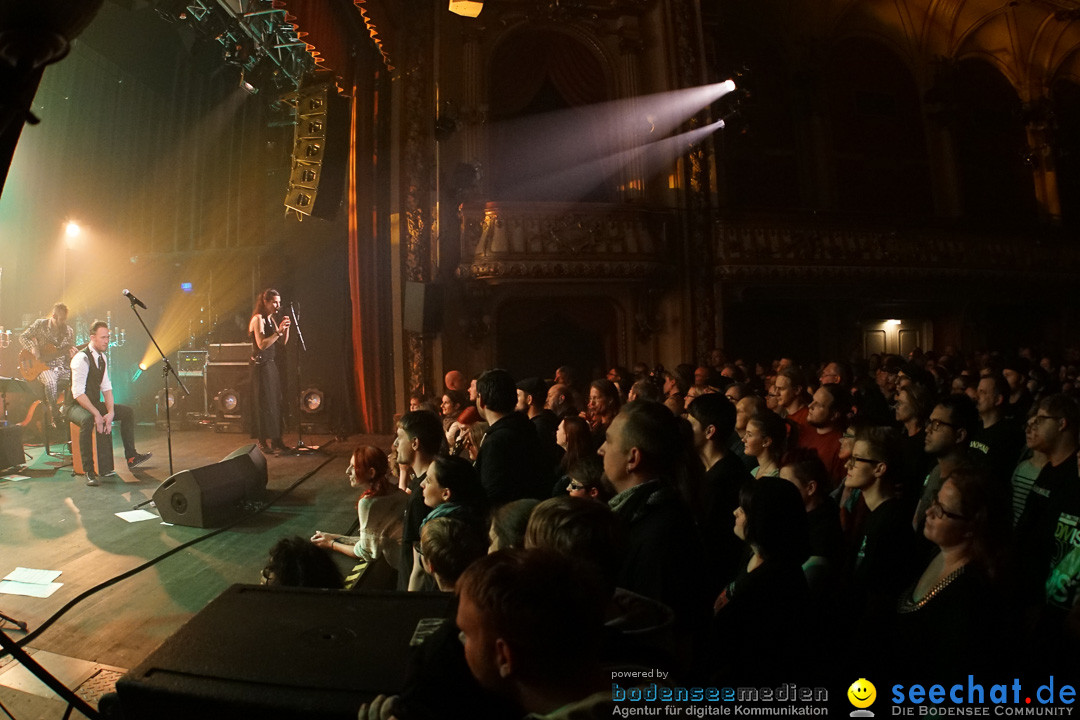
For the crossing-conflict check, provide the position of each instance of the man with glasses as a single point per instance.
(951, 425)
(884, 560)
(1048, 534)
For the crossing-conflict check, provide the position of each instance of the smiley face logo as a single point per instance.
(862, 693)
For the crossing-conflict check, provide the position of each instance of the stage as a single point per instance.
(53, 521)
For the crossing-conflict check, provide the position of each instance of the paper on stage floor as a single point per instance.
(31, 582)
(35, 577)
(15, 478)
(38, 590)
(136, 515)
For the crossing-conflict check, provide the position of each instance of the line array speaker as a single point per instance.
(320, 152)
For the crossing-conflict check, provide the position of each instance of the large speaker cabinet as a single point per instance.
(210, 496)
(276, 652)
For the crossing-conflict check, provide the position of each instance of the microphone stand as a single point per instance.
(301, 447)
(165, 370)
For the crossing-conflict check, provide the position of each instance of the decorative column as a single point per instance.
(697, 255)
(417, 153)
(632, 182)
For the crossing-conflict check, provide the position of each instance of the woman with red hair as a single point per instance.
(380, 510)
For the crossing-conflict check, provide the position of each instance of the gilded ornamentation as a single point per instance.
(552, 241)
(806, 249)
(416, 178)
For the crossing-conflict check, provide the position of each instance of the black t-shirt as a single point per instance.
(999, 447)
(885, 560)
(440, 684)
(826, 535)
(759, 635)
(415, 512)
(964, 628)
(720, 496)
(1036, 545)
(916, 463)
(512, 462)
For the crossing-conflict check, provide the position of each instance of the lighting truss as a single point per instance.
(256, 35)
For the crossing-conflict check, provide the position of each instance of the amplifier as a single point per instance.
(230, 353)
(191, 363)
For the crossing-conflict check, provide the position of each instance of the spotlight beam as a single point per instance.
(580, 179)
(546, 143)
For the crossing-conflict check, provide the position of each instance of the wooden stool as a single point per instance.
(103, 452)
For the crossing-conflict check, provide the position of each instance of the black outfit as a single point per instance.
(661, 550)
(440, 685)
(85, 420)
(915, 465)
(1053, 643)
(266, 388)
(512, 462)
(998, 448)
(826, 535)
(547, 424)
(884, 562)
(1035, 541)
(415, 512)
(759, 633)
(963, 628)
(720, 496)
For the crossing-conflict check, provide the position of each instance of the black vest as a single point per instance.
(94, 377)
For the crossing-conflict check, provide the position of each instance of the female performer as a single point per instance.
(265, 332)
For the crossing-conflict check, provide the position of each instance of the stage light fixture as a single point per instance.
(227, 401)
(466, 8)
(311, 400)
(72, 229)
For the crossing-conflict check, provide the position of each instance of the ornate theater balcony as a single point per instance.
(517, 241)
(811, 248)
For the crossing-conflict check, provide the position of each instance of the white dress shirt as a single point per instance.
(80, 370)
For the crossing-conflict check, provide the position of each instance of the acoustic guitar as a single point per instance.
(30, 367)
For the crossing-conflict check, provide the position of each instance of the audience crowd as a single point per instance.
(730, 523)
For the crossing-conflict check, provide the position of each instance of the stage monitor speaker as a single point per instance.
(423, 307)
(211, 495)
(11, 447)
(280, 652)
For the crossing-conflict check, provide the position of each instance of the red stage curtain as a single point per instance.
(325, 35)
(368, 292)
(522, 62)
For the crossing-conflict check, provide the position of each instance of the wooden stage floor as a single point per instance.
(53, 521)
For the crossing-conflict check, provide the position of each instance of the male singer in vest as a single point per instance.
(93, 407)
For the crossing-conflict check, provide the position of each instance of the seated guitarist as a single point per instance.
(51, 341)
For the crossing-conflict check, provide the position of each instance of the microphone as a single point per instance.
(134, 300)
